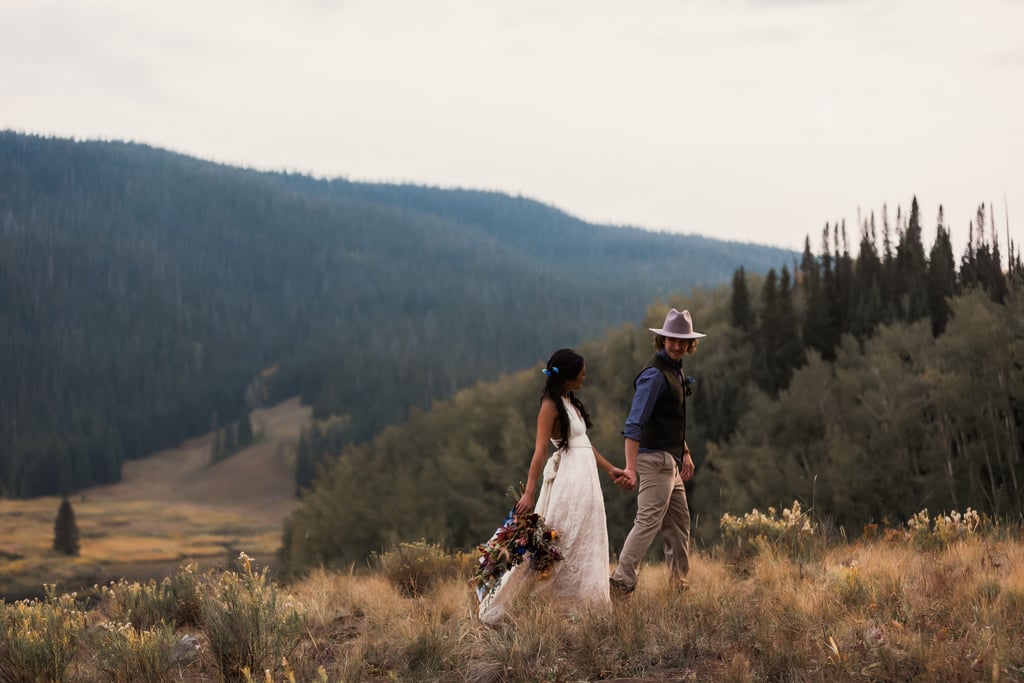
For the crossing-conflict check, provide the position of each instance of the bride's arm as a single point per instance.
(605, 466)
(545, 422)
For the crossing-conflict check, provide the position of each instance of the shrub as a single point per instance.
(415, 568)
(175, 600)
(185, 595)
(944, 530)
(792, 534)
(39, 637)
(248, 627)
(127, 654)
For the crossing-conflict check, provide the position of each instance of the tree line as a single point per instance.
(867, 388)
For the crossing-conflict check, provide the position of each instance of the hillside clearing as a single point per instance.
(169, 508)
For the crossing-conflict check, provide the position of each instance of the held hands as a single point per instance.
(624, 479)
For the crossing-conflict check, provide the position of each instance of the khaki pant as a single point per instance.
(660, 508)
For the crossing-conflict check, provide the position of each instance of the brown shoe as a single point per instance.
(620, 589)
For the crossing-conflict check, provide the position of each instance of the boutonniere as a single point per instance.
(688, 385)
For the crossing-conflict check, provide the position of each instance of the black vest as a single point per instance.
(666, 428)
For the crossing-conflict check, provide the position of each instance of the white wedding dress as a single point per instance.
(571, 502)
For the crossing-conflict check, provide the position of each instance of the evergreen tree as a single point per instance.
(941, 278)
(912, 269)
(785, 336)
(65, 530)
(981, 263)
(890, 298)
(816, 316)
(866, 306)
(778, 346)
(742, 314)
(842, 302)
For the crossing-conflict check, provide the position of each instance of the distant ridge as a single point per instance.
(147, 296)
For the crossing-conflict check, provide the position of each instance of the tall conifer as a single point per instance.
(741, 313)
(941, 278)
(65, 530)
(866, 305)
(912, 269)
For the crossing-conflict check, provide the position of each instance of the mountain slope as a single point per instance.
(146, 297)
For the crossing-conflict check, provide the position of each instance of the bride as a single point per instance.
(570, 499)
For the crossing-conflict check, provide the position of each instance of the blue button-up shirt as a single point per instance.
(649, 386)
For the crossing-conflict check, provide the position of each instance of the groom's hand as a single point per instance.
(626, 480)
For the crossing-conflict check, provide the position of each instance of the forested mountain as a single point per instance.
(146, 296)
(865, 387)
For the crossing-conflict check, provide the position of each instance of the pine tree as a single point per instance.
(820, 325)
(779, 350)
(980, 265)
(912, 269)
(887, 281)
(741, 314)
(815, 303)
(941, 278)
(65, 530)
(842, 302)
(788, 349)
(866, 306)
(762, 371)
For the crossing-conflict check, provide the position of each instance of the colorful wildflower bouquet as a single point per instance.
(518, 537)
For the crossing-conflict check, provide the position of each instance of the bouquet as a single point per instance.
(517, 537)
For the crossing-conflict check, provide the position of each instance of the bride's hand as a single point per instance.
(625, 479)
(525, 504)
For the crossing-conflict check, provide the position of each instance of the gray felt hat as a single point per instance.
(678, 325)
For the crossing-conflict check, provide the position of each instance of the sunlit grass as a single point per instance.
(162, 513)
(118, 533)
(883, 609)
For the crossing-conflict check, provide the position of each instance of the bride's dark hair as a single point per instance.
(564, 366)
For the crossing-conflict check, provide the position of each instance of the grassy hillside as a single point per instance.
(936, 601)
(171, 507)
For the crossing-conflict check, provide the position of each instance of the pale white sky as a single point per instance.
(753, 120)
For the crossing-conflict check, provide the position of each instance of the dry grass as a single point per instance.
(868, 612)
(170, 507)
(875, 611)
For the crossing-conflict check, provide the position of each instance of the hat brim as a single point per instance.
(677, 335)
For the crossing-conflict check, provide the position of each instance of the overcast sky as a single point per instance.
(752, 120)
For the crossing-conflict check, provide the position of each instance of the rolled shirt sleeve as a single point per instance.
(649, 386)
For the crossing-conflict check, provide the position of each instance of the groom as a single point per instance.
(657, 455)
